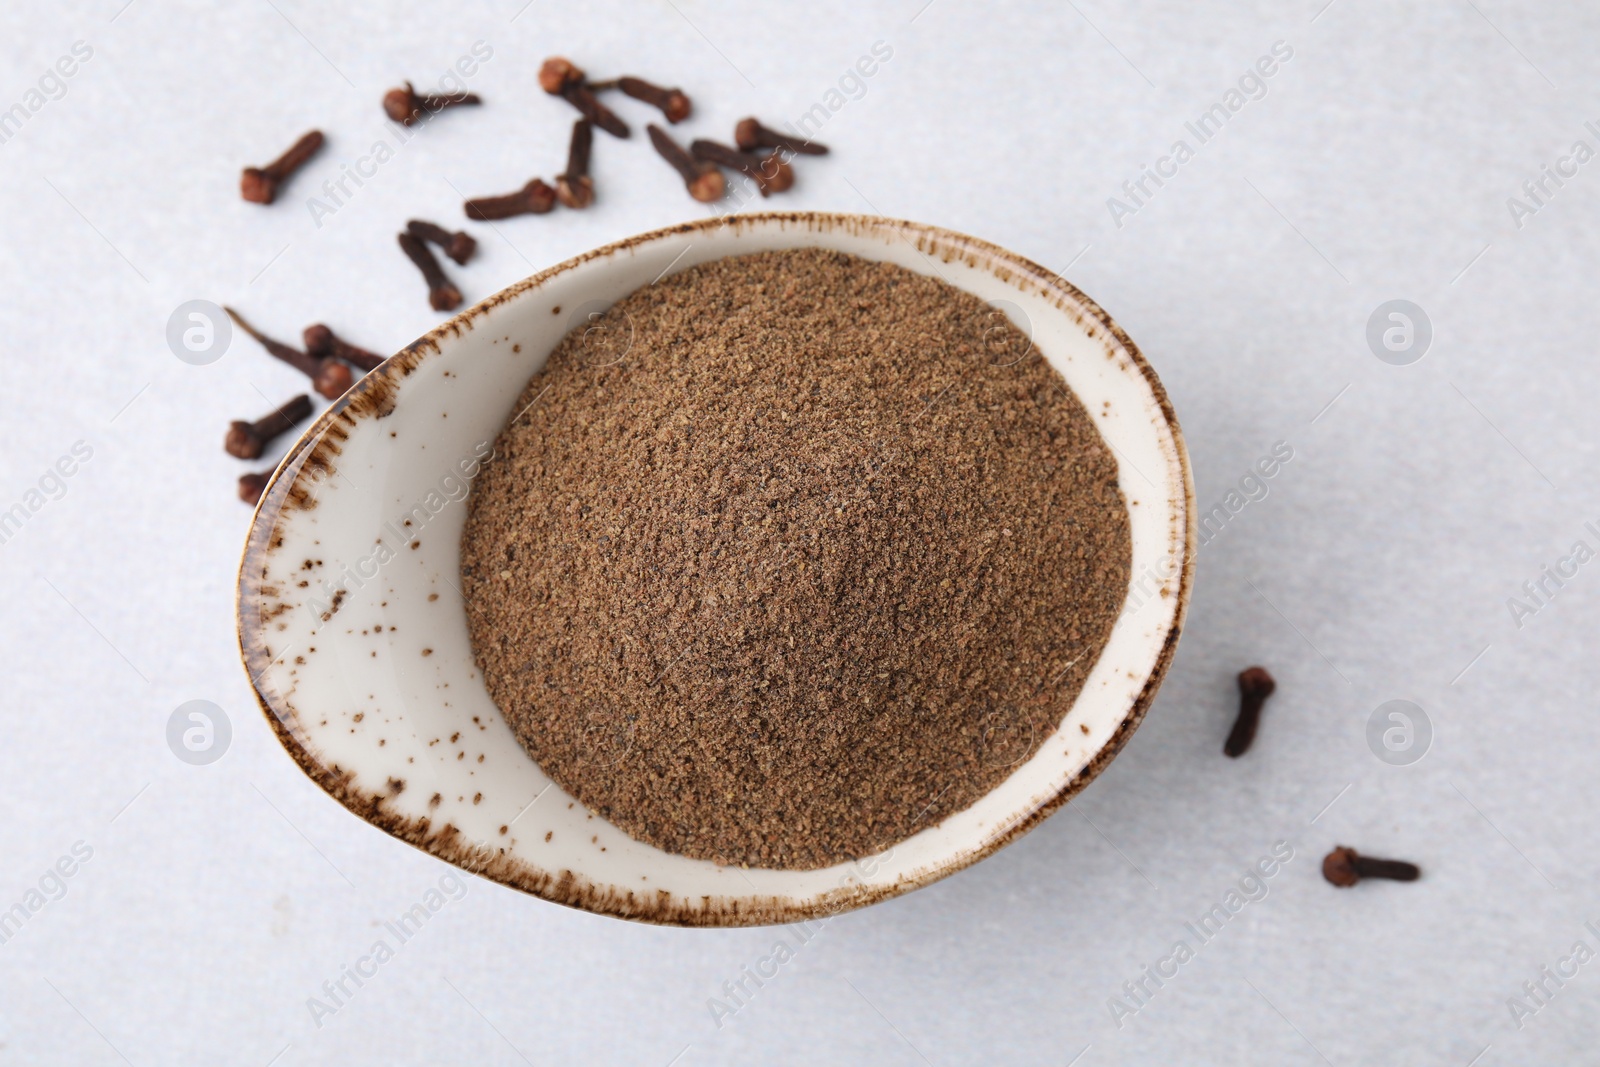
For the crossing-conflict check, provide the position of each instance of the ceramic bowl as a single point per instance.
(354, 634)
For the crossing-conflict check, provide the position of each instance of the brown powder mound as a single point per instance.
(812, 563)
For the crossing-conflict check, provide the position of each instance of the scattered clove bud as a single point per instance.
(575, 188)
(556, 73)
(535, 198)
(1344, 867)
(259, 185)
(321, 341)
(247, 440)
(329, 377)
(771, 173)
(705, 183)
(749, 134)
(580, 96)
(406, 106)
(459, 246)
(1255, 686)
(251, 486)
(671, 102)
(442, 293)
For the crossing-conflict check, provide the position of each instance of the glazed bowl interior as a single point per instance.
(354, 633)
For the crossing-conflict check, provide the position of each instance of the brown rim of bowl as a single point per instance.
(369, 395)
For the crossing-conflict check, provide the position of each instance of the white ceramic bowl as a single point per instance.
(353, 631)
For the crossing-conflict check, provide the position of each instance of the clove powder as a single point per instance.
(790, 556)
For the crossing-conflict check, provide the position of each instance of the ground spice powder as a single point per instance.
(792, 556)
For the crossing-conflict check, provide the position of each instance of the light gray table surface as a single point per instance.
(1384, 159)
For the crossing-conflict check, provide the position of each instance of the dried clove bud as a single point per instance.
(459, 245)
(705, 183)
(749, 134)
(406, 106)
(442, 293)
(556, 73)
(251, 486)
(535, 198)
(671, 102)
(247, 440)
(321, 341)
(329, 377)
(1344, 867)
(259, 185)
(771, 173)
(575, 188)
(1255, 686)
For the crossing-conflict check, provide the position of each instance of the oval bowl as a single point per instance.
(354, 635)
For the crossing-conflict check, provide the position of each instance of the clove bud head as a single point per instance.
(442, 297)
(1256, 681)
(774, 174)
(461, 246)
(401, 105)
(318, 340)
(575, 192)
(333, 378)
(709, 186)
(242, 441)
(556, 73)
(1339, 867)
(676, 107)
(251, 486)
(747, 134)
(541, 198)
(257, 186)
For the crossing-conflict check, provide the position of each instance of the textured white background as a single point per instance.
(1377, 166)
